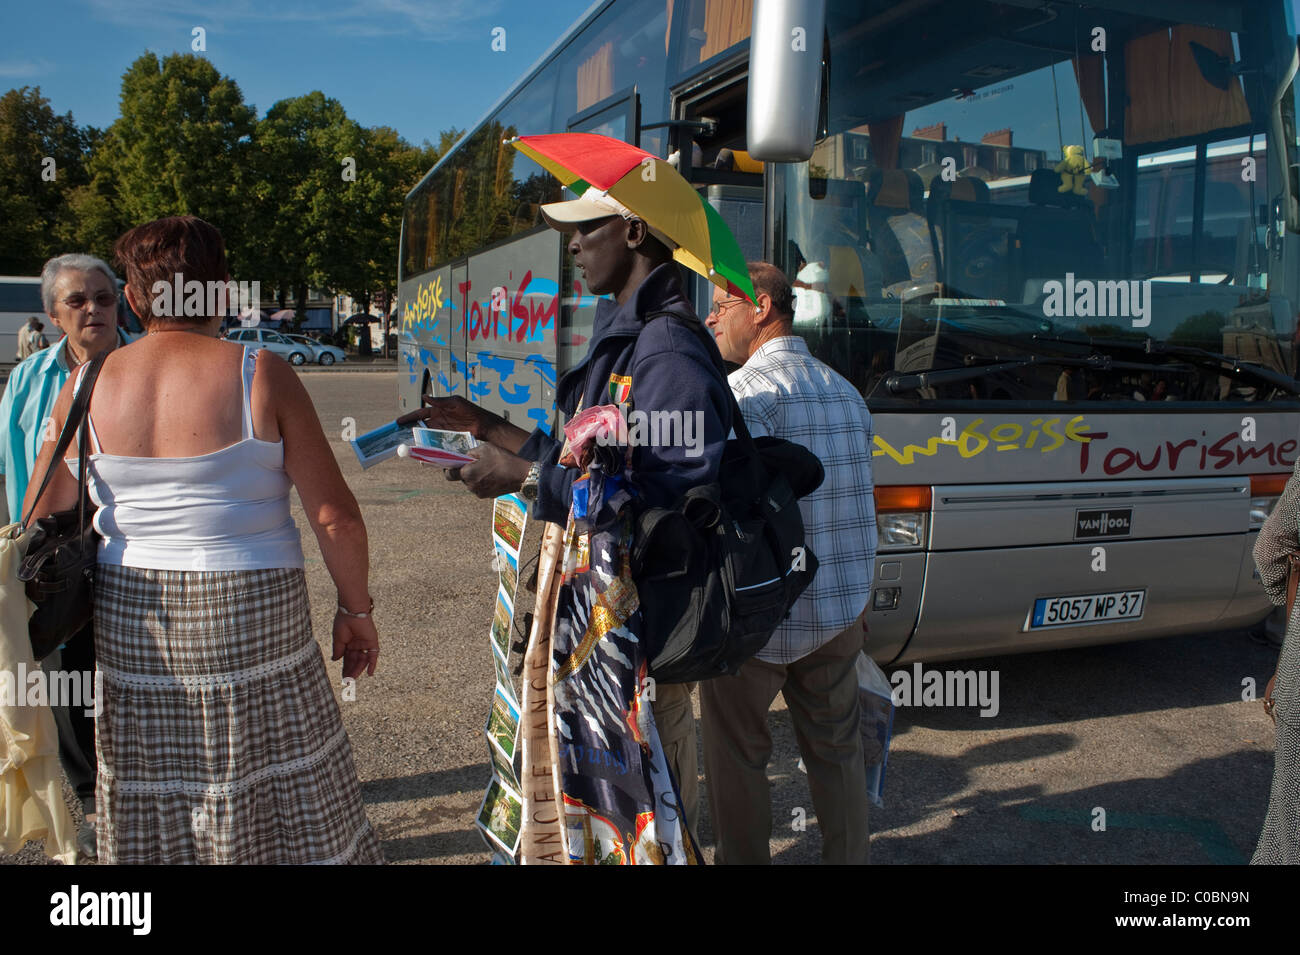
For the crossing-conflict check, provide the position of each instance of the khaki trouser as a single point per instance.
(821, 691)
(675, 721)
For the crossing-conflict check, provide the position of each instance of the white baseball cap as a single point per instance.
(593, 204)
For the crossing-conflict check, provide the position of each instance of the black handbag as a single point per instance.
(62, 549)
(719, 571)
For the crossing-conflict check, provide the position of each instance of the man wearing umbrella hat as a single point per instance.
(643, 353)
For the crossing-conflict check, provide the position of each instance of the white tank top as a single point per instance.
(226, 510)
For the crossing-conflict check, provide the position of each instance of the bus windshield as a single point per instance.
(1020, 202)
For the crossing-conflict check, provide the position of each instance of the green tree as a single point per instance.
(94, 212)
(42, 163)
(365, 257)
(307, 161)
(387, 170)
(178, 148)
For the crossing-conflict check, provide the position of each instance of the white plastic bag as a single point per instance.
(876, 702)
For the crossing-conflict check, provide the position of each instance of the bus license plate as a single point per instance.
(1091, 608)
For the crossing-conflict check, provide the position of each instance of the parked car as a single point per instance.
(323, 353)
(257, 338)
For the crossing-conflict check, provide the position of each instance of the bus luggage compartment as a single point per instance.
(1017, 567)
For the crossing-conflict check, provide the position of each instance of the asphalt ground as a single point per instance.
(1154, 734)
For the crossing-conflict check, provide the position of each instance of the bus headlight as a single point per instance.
(901, 515)
(904, 531)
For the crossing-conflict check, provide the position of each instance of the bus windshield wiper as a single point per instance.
(1237, 366)
(897, 384)
(1198, 356)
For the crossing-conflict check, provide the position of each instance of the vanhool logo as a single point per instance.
(1103, 523)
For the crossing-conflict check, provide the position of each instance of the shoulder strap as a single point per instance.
(711, 347)
(80, 405)
(89, 422)
(246, 370)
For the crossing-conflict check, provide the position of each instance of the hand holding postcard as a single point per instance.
(442, 448)
(445, 449)
(382, 443)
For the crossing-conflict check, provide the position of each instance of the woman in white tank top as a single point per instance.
(220, 740)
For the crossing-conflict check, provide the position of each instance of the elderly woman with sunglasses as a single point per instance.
(79, 293)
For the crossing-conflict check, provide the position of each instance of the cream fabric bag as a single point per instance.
(31, 779)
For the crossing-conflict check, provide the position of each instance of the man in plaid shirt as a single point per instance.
(811, 660)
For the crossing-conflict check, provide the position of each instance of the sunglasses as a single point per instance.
(102, 300)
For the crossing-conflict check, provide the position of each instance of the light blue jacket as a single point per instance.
(29, 398)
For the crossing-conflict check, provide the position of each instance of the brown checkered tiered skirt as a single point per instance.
(219, 739)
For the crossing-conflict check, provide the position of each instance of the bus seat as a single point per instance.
(838, 242)
(900, 235)
(1044, 190)
(1056, 234)
(851, 273)
(737, 160)
(971, 254)
(929, 173)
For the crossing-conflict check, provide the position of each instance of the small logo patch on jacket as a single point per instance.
(620, 389)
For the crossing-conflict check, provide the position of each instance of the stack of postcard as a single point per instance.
(500, 813)
(448, 449)
(382, 443)
(443, 448)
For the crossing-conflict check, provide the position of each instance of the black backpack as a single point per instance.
(719, 571)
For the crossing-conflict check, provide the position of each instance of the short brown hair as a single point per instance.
(159, 251)
(771, 281)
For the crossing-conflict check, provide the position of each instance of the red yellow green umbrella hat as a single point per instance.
(602, 169)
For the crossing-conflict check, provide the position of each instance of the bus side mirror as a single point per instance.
(785, 68)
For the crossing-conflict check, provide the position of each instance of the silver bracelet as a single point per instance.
(348, 613)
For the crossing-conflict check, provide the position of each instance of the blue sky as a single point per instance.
(419, 66)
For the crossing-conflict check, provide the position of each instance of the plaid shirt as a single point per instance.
(784, 392)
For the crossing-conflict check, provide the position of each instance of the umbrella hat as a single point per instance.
(649, 189)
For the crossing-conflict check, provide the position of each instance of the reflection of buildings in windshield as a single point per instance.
(1249, 335)
(926, 228)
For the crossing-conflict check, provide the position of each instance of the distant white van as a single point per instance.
(20, 299)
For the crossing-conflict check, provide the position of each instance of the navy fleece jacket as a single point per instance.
(670, 369)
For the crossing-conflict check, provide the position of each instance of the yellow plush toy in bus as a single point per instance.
(1073, 169)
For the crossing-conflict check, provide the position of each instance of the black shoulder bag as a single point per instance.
(718, 572)
(62, 549)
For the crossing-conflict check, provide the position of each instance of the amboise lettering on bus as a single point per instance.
(1003, 437)
(421, 312)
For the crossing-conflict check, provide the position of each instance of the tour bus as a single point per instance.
(20, 300)
(1082, 381)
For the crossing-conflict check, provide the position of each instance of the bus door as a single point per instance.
(453, 369)
(708, 136)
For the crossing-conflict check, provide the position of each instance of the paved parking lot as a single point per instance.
(1154, 734)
